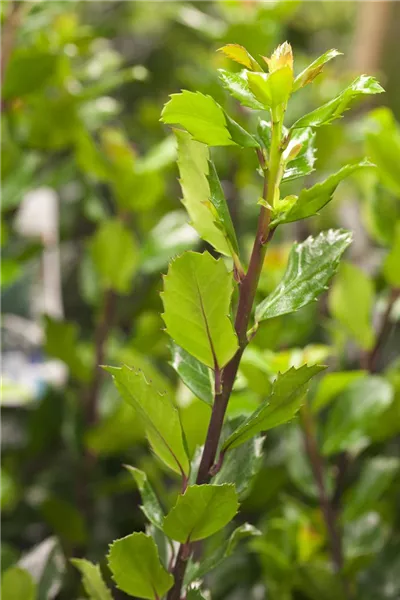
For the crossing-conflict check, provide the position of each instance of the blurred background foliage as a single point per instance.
(90, 218)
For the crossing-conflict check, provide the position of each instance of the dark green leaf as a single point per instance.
(241, 465)
(310, 266)
(198, 378)
(282, 404)
(92, 580)
(62, 341)
(136, 567)
(201, 511)
(303, 163)
(222, 214)
(151, 506)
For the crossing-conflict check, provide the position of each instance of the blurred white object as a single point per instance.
(38, 217)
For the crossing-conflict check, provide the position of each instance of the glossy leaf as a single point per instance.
(136, 567)
(92, 579)
(196, 376)
(115, 255)
(391, 266)
(314, 69)
(271, 90)
(281, 57)
(158, 414)
(220, 208)
(193, 166)
(303, 163)
(241, 465)
(196, 297)
(376, 476)
(337, 106)
(238, 86)
(282, 404)
(151, 507)
(312, 199)
(17, 584)
(310, 267)
(351, 301)
(360, 404)
(240, 55)
(201, 511)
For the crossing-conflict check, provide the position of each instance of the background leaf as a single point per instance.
(151, 507)
(16, 584)
(92, 579)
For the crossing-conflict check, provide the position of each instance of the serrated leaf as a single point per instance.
(240, 55)
(312, 199)
(201, 511)
(238, 86)
(225, 550)
(151, 506)
(314, 69)
(222, 214)
(272, 90)
(391, 265)
(115, 255)
(204, 119)
(361, 403)
(282, 404)
(303, 163)
(136, 567)
(193, 167)
(281, 57)
(241, 465)
(196, 376)
(92, 579)
(351, 301)
(310, 266)
(17, 584)
(158, 414)
(334, 109)
(196, 297)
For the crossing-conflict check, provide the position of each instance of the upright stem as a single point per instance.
(247, 293)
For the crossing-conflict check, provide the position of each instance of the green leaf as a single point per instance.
(197, 295)
(225, 550)
(158, 414)
(351, 301)
(92, 579)
(312, 199)
(331, 385)
(314, 69)
(303, 163)
(17, 584)
(193, 166)
(310, 266)
(336, 107)
(361, 403)
(241, 465)
(27, 72)
(151, 506)
(62, 341)
(201, 511)
(200, 115)
(383, 146)
(136, 567)
(222, 214)
(282, 404)
(272, 90)
(240, 55)
(197, 377)
(238, 86)
(376, 477)
(64, 519)
(391, 266)
(115, 255)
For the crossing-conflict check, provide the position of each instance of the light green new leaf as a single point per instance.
(310, 266)
(17, 584)
(353, 413)
(193, 167)
(92, 579)
(336, 107)
(350, 302)
(314, 69)
(115, 255)
(240, 55)
(201, 511)
(196, 376)
(282, 404)
(196, 297)
(312, 199)
(221, 210)
(391, 266)
(303, 163)
(238, 86)
(151, 506)
(158, 414)
(136, 567)
(205, 120)
(271, 90)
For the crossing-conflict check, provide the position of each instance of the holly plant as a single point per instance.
(210, 316)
